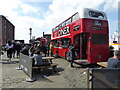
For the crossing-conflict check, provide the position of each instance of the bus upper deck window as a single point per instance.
(68, 21)
(96, 14)
(59, 26)
(63, 24)
(75, 17)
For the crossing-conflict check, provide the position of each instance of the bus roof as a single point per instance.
(91, 13)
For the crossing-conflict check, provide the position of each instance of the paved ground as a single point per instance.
(66, 77)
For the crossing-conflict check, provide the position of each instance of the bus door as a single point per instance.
(83, 45)
(80, 42)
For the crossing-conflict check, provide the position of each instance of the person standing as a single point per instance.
(44, 50)
(51, 49)
(18, 48)
(9, 48)
(72, 54)
(111, 50)
(48, 48)
(14, 48)
(114, 62)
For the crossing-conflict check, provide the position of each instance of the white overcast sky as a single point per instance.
(43, 15)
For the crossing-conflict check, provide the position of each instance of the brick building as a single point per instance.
(7, 30)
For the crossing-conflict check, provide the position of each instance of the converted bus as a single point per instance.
(88, 31)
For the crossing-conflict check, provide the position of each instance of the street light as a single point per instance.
(30, 33)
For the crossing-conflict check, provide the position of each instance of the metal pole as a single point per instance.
(30, 33)
(43, 34)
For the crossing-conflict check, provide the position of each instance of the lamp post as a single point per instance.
(30, 33)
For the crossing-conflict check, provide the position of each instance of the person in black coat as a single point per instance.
(45, 50)
(25, 50)
(9, 48)
(18, 48)
(111, 50)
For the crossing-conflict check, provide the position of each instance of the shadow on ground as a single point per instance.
(6, 61)
(86, 66)
(44, 73)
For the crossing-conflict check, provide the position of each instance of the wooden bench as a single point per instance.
(53, 66)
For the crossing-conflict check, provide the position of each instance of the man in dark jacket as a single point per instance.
(18, 48)
(72, 54)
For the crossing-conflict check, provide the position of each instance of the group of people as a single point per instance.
(30, 50)
(35, 52)
(13, 48)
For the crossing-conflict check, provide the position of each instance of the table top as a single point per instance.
(104, 64)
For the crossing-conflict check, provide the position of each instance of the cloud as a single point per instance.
(60, 10)
(110, 5)
(36, 0)
(18, 12)
(28, 9)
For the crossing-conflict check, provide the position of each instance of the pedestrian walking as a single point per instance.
(9, 48)
(14, 48)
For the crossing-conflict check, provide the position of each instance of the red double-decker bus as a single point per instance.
(88, 31)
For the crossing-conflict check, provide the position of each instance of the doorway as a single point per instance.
(81, 45)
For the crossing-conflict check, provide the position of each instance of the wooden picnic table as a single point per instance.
(48, 59)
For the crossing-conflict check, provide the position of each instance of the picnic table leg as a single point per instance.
(51, 61)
